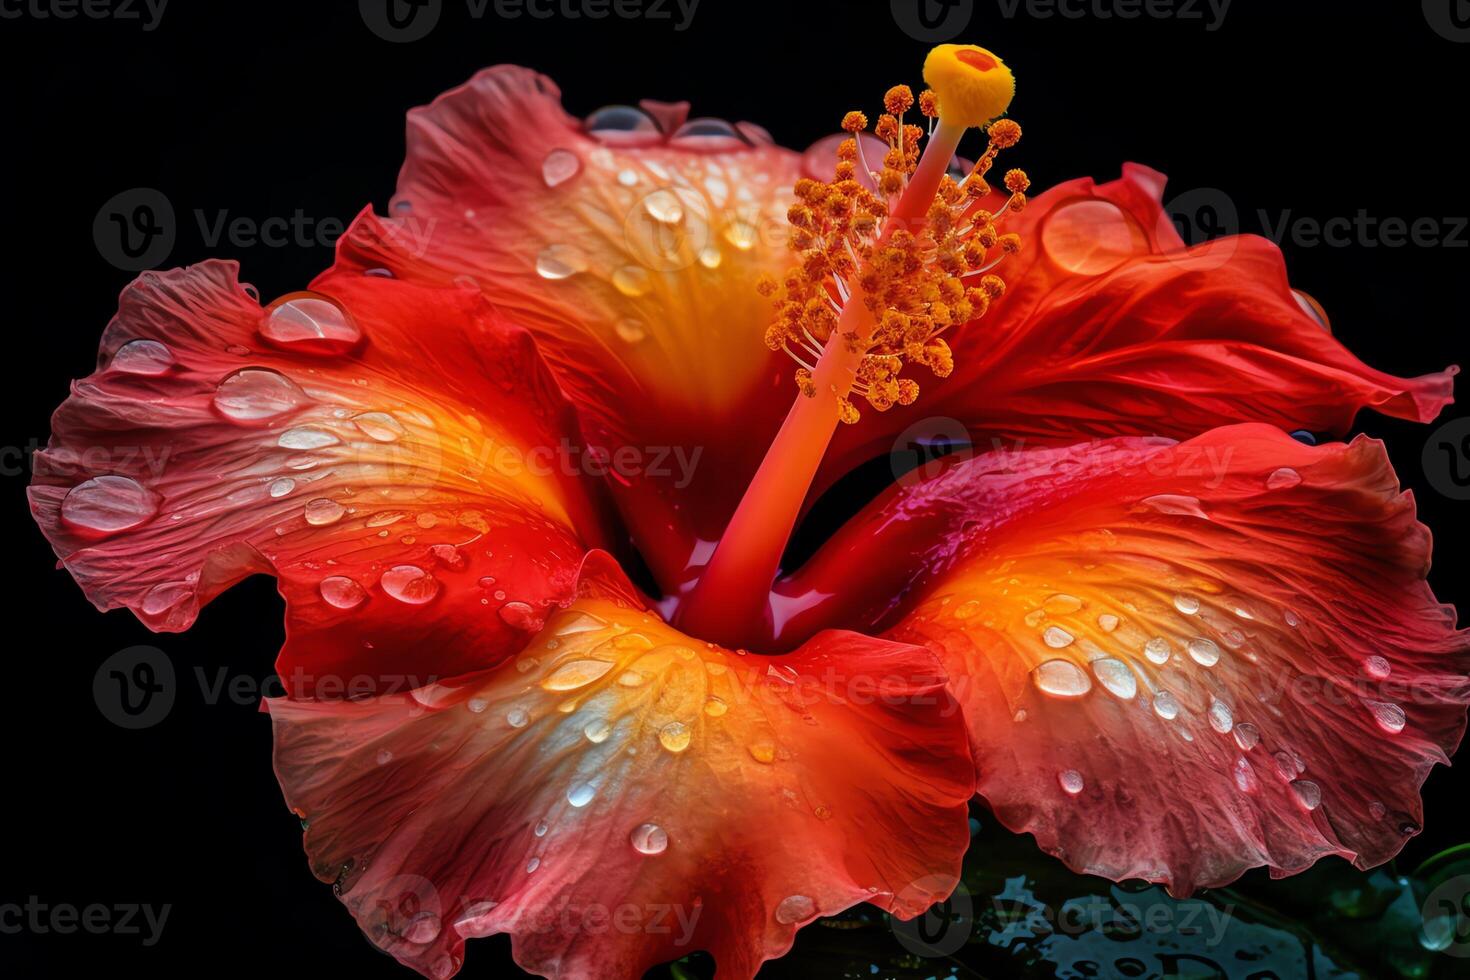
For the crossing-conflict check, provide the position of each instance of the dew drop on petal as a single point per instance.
(306, 437)
(1390, 717)
(1245, 776)
(1166, 706)
(622, 125)
(1220, 717)
(517, 718)
(147, 357)
(630, 330)
(1283, 478)
(312, 323)
(1204, 652)
(1176, 504)
(1377, 667)
(1247, 736)
(1187, 604)
(520, 615)
(283, 486)
(341, 591)
(532, 865)
(715, 706)
(108, 504)
(1061, 679)
(674, 736)
(632, 280)
(1108, 622)
(1308, 793)
(795, 908)
(576, 674)
(649, 838)
(379, 426)
(1157, 650)
(1071, 781)
(560, 262)
(323, 511)
(1061, 604)
(597, 732)
(252, 394)
(410, 584)
(559, 167)
(581, 794)
(1116, 676)
(763, 752)
(1089, 236)
(664, 207)
(1056, 637)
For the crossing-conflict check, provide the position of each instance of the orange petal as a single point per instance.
(1179, 661)
(371, 445)
(633, 259)
(622, 794)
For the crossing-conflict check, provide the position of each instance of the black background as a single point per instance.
(1313, 106)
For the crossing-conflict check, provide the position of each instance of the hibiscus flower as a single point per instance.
(525, 459)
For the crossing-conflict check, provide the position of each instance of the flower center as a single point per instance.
(888, 262)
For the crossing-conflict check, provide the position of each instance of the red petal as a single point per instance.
(622, 795)
(632, 261)
(1111, 327)
(1311, 681)
(367, 444)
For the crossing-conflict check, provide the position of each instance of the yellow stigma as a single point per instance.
(972, 85)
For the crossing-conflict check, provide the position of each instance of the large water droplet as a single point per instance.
(1283, 479)
(1166, 706)
(1061, 604)
(560, 262)
(581, 794)
(1116, 676)
(597, 731)
(311, 323)
(379, 426)
(410, 584)
(323, 511)
(1089, 236)
(108, 504)
(649, 838)
(1377, 667)
(1056, 637)
(341, 591)
(1061, 679)
(708, 135)
(1308, 793)
(576, 673)
(147, 357)
(1204, 652)
(306, 437)
(517, 718)
(1220, 717)
(1157, 650)
(1390, 717)
(795, 908)
(674, 736)
(252, 394)
(664, 207)
(559, 167)
(1071, 781)
(623, 125)
(1247, 736)
(1187, 604)
(1107, 622)
(281, 487)
(520, 615)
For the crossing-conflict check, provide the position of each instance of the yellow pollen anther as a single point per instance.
(898, 99)
(854, 122)
(929, 103)
(971, 84)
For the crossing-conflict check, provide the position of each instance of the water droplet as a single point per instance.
(649, 838)
(795, 908)
(306, 437)
(708, 135)
(763, 752)
(581, 794)
(1247, 736)
(312, 323)
(517, 718)
(664, 207)
(1108, 622)
(283, 486)
(630, 330)
(1116, 676)
(1166, 706)
(576, 673)
(1089, 236)
(1304, 437)
(532, 865)
(1288, 767)
(108, 504)
(1061, 604)
(1070, 781)
(1061, 679)
(379, 426)
(1390, 717)
(1187, 604)
(1220, 717)
(1283, 479)
(742, 234)
(1056, 637)
(1204, 652)
(477, 706)
(597, 732)
(1245, 776)
(560, 262)
(1377, 667)
(322, 511)
(520, 615)
(715, 707)
(1290, 618)
(632, 280)
(341, 591)
(622, 125)
(540, 830)
(1308, 793)
(410, 584)
(710, 257)
(252, 394)
(1177, 505)
(560, 166)
(147, 357)
(1157, 650)
(628, 178)
(674, 736)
